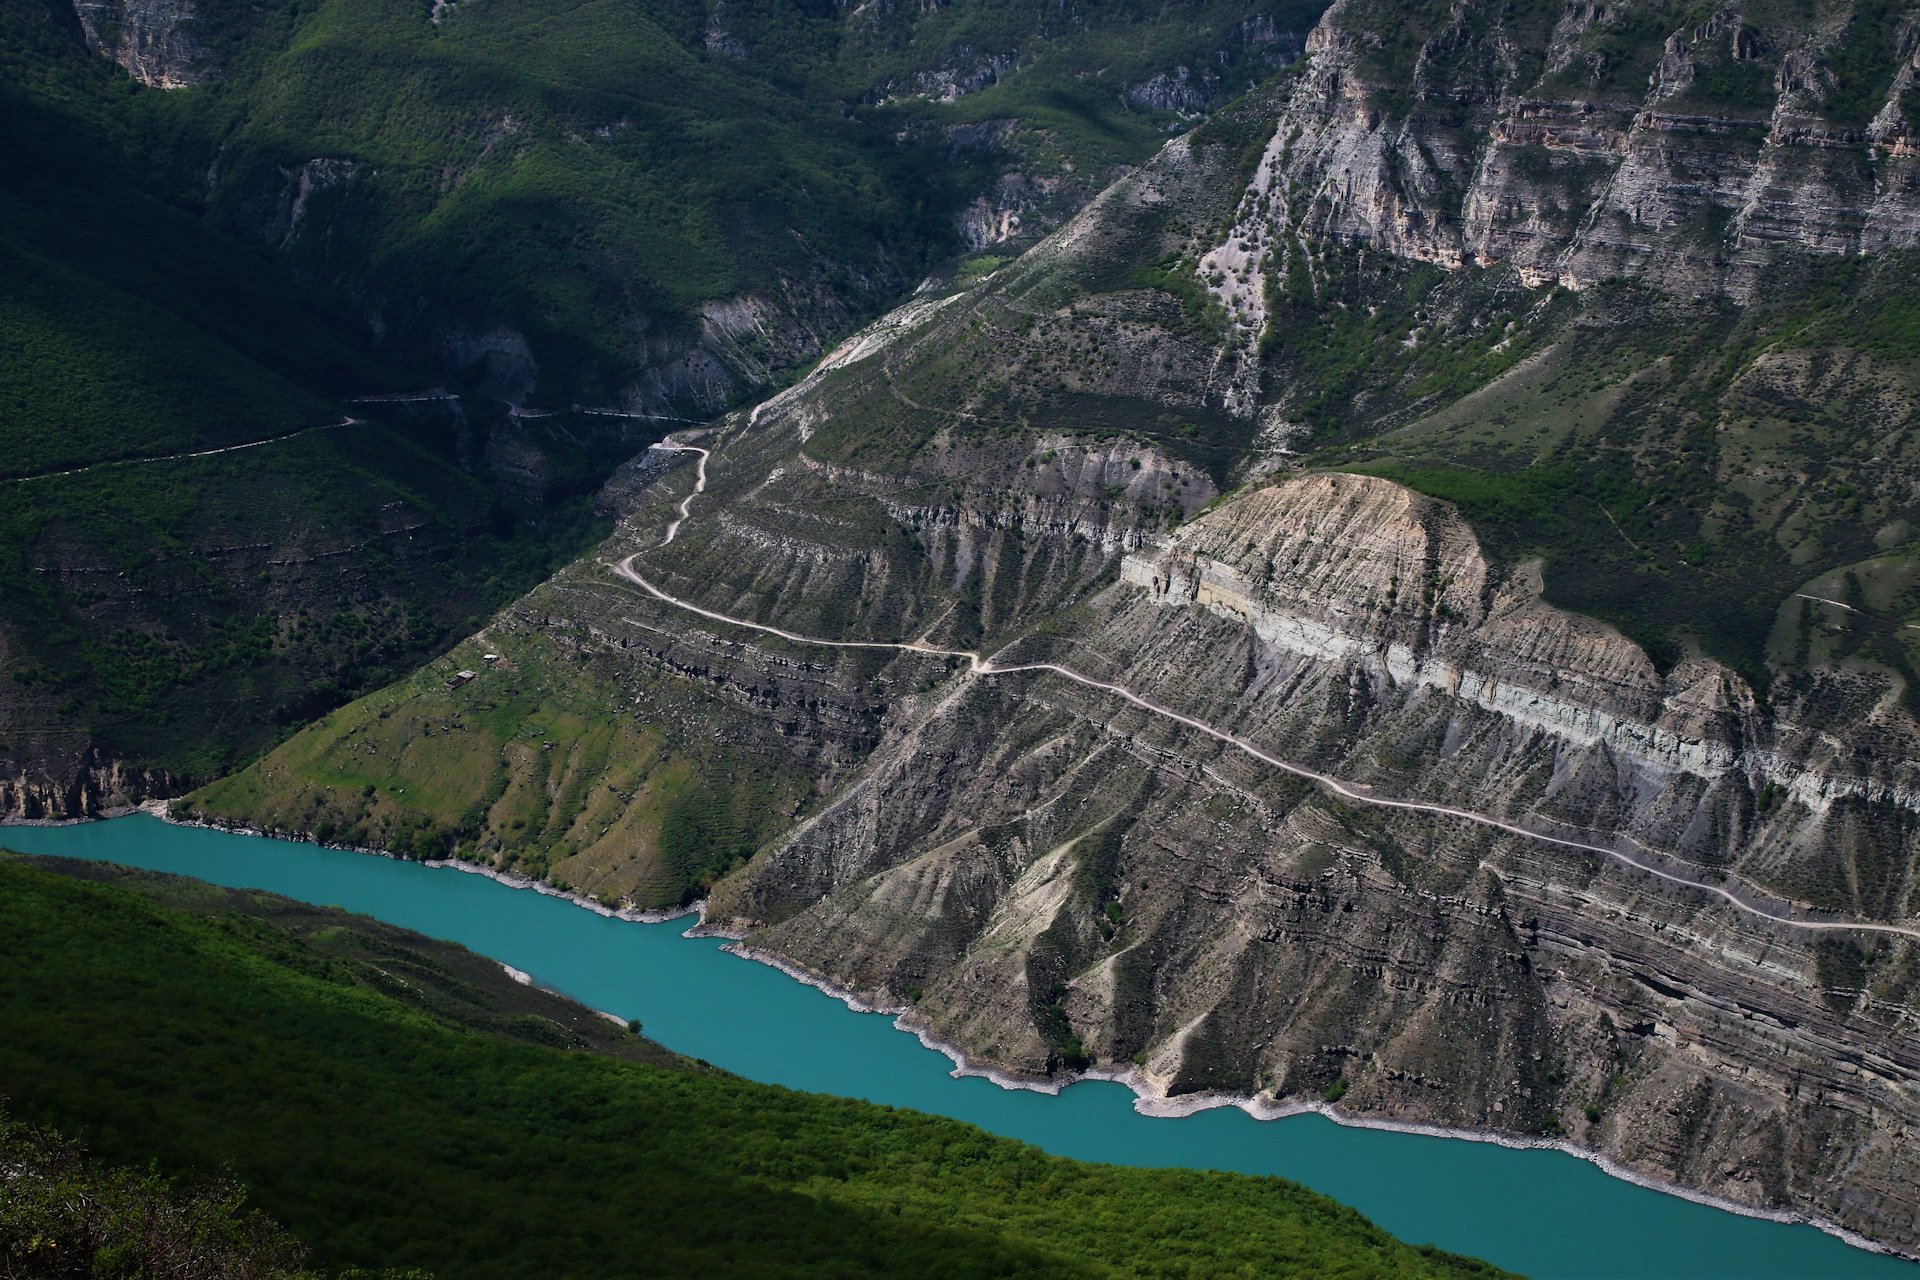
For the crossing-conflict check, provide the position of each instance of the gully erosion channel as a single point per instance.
(1539, 1211)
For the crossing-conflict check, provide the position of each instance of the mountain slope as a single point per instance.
(166, 608)
(1102, 457)
(549, 1142)
(226, 225)
(657, 206)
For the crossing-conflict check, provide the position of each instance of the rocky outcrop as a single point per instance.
(1053, 877)
(1324, 568)
(1253, 50)
(1583, 151)
(1179, 90)
(315, 177)
(85, 783)
(958, 73)
(498, 360)
(153, 39)
(1016, 209)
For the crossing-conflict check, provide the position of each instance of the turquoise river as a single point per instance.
(1537, 1211)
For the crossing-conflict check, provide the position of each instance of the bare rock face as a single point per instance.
(1055, 877)
(1014, 208)
(70, 780)
(498, 360)
(316, 178)
(152, 39)
(1570, 151)
(959, 73)
(1051, 876)
(1180, 89)
(1584, 924)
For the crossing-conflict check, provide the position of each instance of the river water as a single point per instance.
(1541, 1212)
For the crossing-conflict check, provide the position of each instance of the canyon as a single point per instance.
(1506, 413)
(1053, 879)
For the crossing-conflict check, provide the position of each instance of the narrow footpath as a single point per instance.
(1358, 793)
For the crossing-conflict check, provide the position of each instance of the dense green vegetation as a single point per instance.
(1369, 324)
(588, 176)
(189, 612)
(129, 326)
(373, 1094)
(65, 1215)
(182, 614)
(535, 767)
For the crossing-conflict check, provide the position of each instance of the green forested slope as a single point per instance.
(586, 176)
(397, 1102)
(178, 615)
(529, 201)
(67, 1215)
(130, 327)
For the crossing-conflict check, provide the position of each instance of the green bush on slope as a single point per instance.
(64, 1215)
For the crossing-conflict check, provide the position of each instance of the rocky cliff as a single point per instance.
(1587, 142)
(154, 40)
(1052, 877)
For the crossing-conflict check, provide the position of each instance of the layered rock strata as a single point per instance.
(1568, 151)
(1051, 876)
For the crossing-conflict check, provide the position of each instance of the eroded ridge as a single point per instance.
(1357, 793)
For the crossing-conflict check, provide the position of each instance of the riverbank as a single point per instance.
(161, 809)
(1151, 1099)
(1053, 1122)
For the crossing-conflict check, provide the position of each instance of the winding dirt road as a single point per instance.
(180, 457)
(1358, 793)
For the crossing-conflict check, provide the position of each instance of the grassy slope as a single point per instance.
(389, 1127)
(538, 766)
(1064, 96)
(552, 168)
